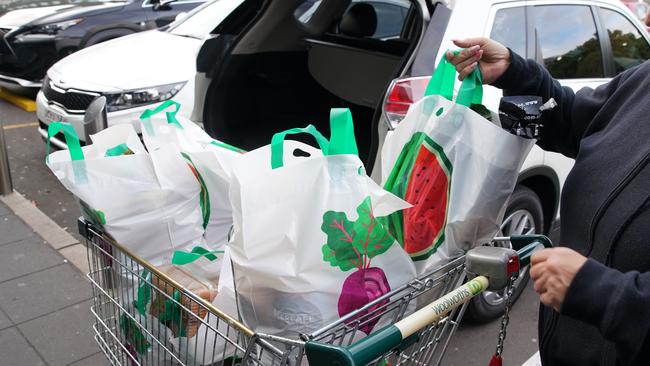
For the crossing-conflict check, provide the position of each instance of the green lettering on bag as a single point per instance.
(181, 258)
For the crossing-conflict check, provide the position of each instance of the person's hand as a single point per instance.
(491, 56)
(553, 270)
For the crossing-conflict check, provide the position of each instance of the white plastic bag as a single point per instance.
(210, 161)
(118, 185)
(308, 246)
(454, 166)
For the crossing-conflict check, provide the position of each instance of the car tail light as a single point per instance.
(402, 93)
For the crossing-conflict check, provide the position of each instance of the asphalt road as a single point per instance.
(472, 345)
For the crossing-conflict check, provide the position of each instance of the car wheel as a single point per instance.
(106, 35)
(524, 215)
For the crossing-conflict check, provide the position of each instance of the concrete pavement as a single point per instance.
(45, 303)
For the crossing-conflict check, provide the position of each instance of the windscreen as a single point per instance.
(201, 21)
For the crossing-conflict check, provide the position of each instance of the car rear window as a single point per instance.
(567, 42)
(509, 29)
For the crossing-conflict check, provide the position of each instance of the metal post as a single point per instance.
(6, 187)
(95, 118)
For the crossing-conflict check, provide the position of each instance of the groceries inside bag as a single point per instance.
(308, 245)
(454, 166)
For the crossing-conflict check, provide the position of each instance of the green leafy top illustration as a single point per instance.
(353, 244)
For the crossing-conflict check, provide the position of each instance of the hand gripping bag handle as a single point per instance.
(443, 80)
(342, 140)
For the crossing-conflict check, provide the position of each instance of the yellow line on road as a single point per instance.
(21, 125)
(28, 105)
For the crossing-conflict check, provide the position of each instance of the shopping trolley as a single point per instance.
(127, 335)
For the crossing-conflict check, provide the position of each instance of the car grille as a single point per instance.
(72, 101)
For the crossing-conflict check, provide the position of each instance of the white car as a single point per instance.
(132, 72)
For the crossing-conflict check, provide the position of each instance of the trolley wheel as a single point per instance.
(524, 215)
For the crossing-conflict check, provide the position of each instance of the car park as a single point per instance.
(270, 67)
(34, 38)
(136, 72)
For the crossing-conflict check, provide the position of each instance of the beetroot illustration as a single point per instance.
(360, 288)
(422, 177)
(352, 245)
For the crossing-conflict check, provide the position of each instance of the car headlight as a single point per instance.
(55, 28)
(140, 97)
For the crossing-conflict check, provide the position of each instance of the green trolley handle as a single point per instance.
(394, 336)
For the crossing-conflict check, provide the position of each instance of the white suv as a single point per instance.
(279, 64)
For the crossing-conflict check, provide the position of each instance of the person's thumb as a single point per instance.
(469, 42)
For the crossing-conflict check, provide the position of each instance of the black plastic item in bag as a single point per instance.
(522, 115)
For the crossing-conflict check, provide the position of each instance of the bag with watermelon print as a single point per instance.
(120, 189)
(210, 161)
(454, 166)
(308, 246)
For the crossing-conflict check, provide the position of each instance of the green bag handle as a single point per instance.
(144, 292)
(171, 115)
(117, 150)
(277, 143)
(443, 80)
(342, 140)
(227, 146)
(181, 258)
(71, 139)
(74, 148)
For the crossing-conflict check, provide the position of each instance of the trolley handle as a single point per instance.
(401, 333)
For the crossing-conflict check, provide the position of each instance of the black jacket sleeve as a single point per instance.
(566, 124)
(618, 304)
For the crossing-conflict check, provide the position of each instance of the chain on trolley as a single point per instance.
(497, 360)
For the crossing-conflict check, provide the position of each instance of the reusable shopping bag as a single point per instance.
(454, 166)
(209, 159)
(118, 186)
(307, 245)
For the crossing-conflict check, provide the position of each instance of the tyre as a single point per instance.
(106, 35)
(524, 215)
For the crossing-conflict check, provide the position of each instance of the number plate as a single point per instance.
(53, 117)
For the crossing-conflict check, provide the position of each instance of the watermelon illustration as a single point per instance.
(422, 177)
(204, 196)
(352, 245)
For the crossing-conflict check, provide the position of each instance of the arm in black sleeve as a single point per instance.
(567, 123)
(618, 304)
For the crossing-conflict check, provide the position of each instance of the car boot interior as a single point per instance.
(300, 58)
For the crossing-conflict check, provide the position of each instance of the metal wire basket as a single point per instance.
(129, 334)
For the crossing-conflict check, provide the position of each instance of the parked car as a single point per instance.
(32, 39)
(270, 67)
(132, 72)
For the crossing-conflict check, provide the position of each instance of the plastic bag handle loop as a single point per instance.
(443, 80)
(277, 143)
(171, 115)
(71, 139)
(342, 140)
(181, 258)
